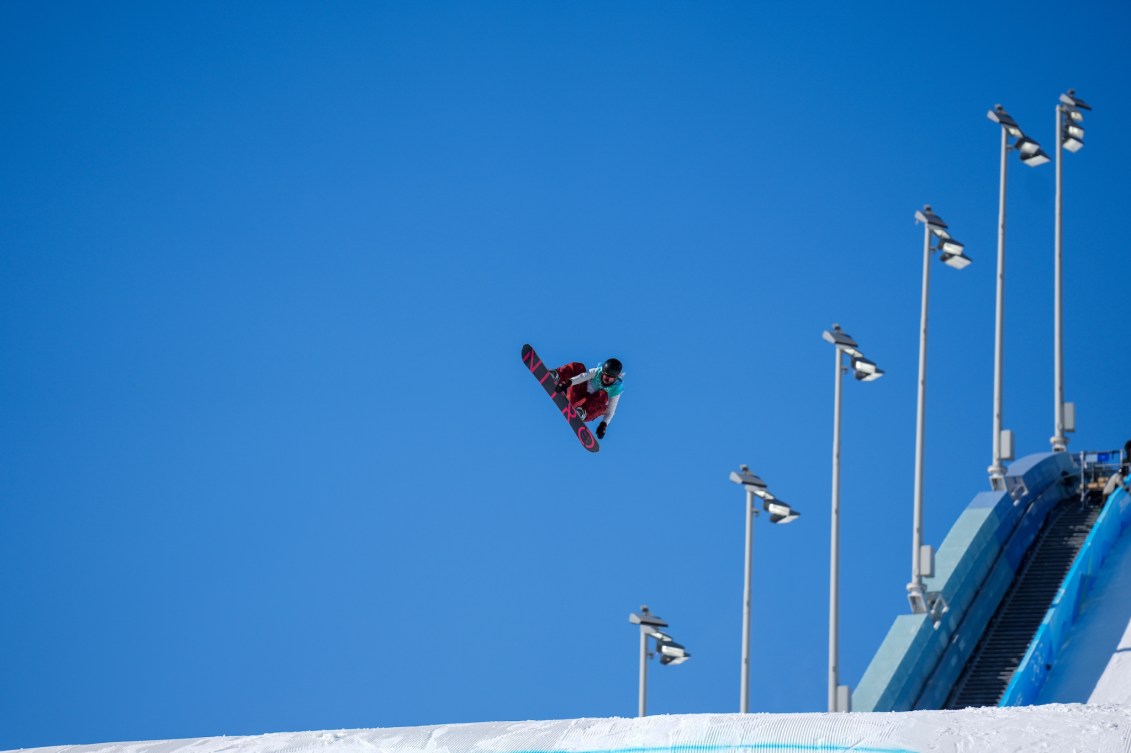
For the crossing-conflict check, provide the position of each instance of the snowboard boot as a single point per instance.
(579, 411)
(560, 385)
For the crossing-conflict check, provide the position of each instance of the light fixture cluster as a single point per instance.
(864, 369)
(953, 253)
(1027, 149)
(670, 652)
(1072, 132)
(778, 510)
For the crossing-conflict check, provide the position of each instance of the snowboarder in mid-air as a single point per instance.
(593, 393)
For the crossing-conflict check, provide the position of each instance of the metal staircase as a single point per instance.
(1007, 637)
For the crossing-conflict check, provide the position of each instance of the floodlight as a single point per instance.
(866, 370)
(1000, 116)
(951, 246)
(953, 254)
(1030, 152)
(752, 483)
(1073, 137)
(1072, 100)
(952, 249)
(867, 365)
(673, 653)
(957, 261)
(842, 340)
(780, 512)
(646, 620)
(933, 222)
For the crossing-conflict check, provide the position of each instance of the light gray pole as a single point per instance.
(744, 692)
(643, 674)
(997, 470)
(915, 587)
(668, 650)
(1059, 441)
(834, 546)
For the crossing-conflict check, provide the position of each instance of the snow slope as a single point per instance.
(1059, 727)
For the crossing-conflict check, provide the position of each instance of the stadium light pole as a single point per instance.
(670, 651)
(953, 255)
(1030, 153)
(779, 512)
(865, 371)
(1070, 137)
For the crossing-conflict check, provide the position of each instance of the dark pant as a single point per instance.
(579, 396)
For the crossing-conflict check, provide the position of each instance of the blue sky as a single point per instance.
(269, 458)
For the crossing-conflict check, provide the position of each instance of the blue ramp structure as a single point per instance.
(999, 580)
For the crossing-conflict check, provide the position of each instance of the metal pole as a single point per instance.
(1059, 441)
(744, 693)
(834, 550)
(915, 587)
(643, 673)
(997, 470)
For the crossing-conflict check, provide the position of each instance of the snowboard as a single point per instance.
(532, 362)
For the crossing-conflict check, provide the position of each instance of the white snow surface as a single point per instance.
(1055, 727)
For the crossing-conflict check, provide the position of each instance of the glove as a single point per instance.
(601, 427)
(561, 386)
